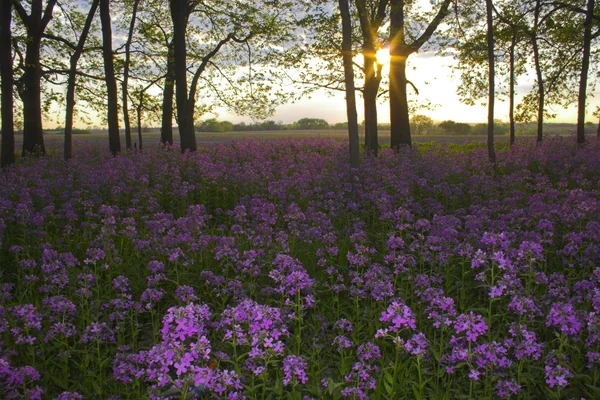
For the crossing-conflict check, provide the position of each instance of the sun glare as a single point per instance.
(383, 56)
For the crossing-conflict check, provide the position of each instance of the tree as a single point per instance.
(311, 123)
(371, 19)
(166, 130)
(7, 155)
(472, 56)
(124, 83)
(109, 76)
(421, 124)
(585, 66)
(35, 23)
(401, 47)
(491, 82)
(349, 83)
(70, 97)
(180, 13)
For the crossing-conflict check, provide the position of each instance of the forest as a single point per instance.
(378, 264)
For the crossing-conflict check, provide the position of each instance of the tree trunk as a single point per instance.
(111, 83)
(585, 66)
(511, 90)
(369, 24)
(124, 84)
(541, 94)
(7, 156)
(179, 13)
(166, 130)
(538, 72)
(491, 80)
(35, 23)
(370, 101)
(68, 145)
(139, 123)
(33, 136)
(349, 82)
(399, 52)
(399, 119)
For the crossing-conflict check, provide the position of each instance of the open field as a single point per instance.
(271, 270)
(54, 139)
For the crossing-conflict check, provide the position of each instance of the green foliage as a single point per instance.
(421, 124)
(213, 125)
(455, 128)
(311, 123)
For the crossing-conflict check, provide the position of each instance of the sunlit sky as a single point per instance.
(433, 76)
(430, 73)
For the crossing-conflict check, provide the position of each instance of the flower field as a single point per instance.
(270, 270)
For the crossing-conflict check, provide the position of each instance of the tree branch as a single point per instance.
(47, 14)
(21, 11)
(442, 12)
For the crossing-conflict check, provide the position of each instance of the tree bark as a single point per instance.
(111, 83)
(370, 101)
(70, 100)
(139, 121)
(166, 130)
(511, 89)
(180, 11)
(491, 80)
(585, 66)
(7, 155)
(399, 52)
(33, 136)
(35, 23)
(369, 25)
(399, 119)
(124, 84)
(349, 83)
(539, 75)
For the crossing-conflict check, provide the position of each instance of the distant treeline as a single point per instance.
(420, 125)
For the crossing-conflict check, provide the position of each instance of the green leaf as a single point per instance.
(389, 377)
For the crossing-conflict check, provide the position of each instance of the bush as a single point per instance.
(455, 128)
(311, 123)
(421, 124)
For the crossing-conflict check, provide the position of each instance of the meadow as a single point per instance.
(271, 270)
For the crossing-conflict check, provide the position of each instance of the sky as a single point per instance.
(433, 76)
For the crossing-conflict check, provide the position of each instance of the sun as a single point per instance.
(383, 56)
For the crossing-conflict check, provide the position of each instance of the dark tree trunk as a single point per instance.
(511, 89)
(111, 83)
(166, 130)
(180, 13)
(538, 72)
(369, 24)
(124, 84)
(139, 123)
(7, 156)
(349, 82)
(35, 23)
(33, 136)
(68, 145)
(491, 80)
(370, 101)
(541, 94)
(399, 119)
(585, 66)
(399, 52)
